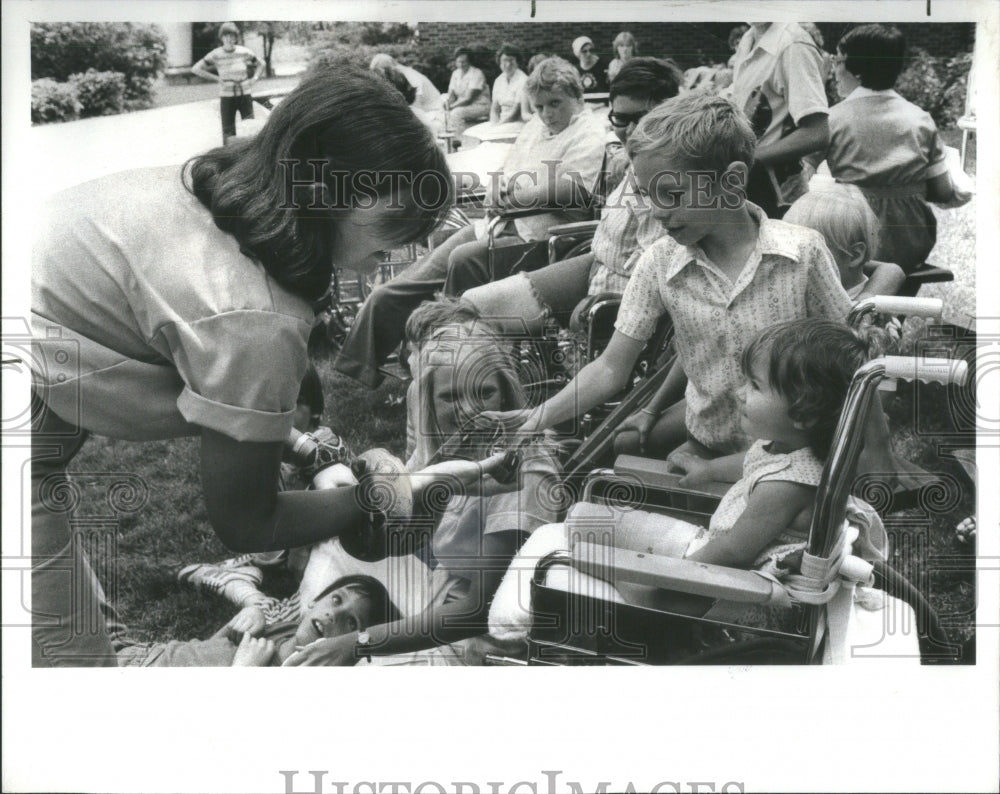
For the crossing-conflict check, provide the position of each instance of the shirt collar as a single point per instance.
(771, 39)
(772, 240)
(861, 92)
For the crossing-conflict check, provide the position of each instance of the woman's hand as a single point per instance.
(248, 622)
(468, 475)
(696, 470)
(253, 652)
(328, 652)
(640, 422)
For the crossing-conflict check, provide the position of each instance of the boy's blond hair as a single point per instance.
(696, 130)
(841, 214)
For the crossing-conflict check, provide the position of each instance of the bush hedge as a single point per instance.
(53, 101)
(936, 84)
(137, 51)
(99, 93)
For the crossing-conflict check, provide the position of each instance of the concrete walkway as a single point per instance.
(78, 151)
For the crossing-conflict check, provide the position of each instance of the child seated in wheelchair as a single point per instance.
(724, 272)
(851, 230)
(797, 374)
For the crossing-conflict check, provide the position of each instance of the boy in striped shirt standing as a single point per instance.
(236, 70)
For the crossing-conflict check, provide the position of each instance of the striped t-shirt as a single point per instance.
(234, 67)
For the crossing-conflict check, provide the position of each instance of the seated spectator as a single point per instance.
(527, 111)
(428, 99)
(522, 302)
(625, 49)
(592, 67)
(556, 159)
(468, 100)
(508, 88)
(433, 121)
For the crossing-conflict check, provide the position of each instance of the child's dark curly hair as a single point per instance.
(811, 363)
(382, 608)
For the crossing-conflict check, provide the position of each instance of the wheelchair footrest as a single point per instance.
(698, 578)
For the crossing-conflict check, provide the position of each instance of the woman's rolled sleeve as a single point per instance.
(241, 371)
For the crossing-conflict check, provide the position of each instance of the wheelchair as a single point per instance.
(639, 608)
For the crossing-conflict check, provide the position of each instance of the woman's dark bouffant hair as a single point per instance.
(811, 362)
(351, 122)
(875, 54)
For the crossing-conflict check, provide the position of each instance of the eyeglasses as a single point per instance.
(624, 119)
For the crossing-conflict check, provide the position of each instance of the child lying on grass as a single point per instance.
(349, 604)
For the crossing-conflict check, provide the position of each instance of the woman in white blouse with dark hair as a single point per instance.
(508, 88)
(468, 100)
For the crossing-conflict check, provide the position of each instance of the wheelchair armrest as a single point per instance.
(655, 473)
(580, 227)
(924, 274)
(670, 573)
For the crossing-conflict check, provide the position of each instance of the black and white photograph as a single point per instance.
(650, 345)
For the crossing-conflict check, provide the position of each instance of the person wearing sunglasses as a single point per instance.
(524, 301)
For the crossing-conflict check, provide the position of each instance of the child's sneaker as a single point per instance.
(241, 584)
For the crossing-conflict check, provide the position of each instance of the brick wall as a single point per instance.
(689, 43)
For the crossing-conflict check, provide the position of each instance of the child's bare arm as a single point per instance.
(698, 471)
(200, 69)
(600, 380)
(885, 279)
(773, 508)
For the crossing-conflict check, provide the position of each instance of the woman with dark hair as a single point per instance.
(468, 100)
(508, 88)
(887, 146)
(179, 301)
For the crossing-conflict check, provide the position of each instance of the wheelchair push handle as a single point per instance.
(928, 370)
(897, 304)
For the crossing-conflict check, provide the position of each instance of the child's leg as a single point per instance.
(245, 107)
(227, 109)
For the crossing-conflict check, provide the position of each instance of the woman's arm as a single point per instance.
(811, 135)
(240, 483)
(940, 189)
(773, 508)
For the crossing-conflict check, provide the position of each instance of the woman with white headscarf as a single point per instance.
(592, 67)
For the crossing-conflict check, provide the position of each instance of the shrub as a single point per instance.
(937, 85)
(431, 63)
(53, 101)
(100, 93)
(137, 51)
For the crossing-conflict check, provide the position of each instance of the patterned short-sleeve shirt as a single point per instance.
(626, 229)
(790, 274)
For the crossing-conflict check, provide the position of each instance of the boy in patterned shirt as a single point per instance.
(724, 272)
(236, 70)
